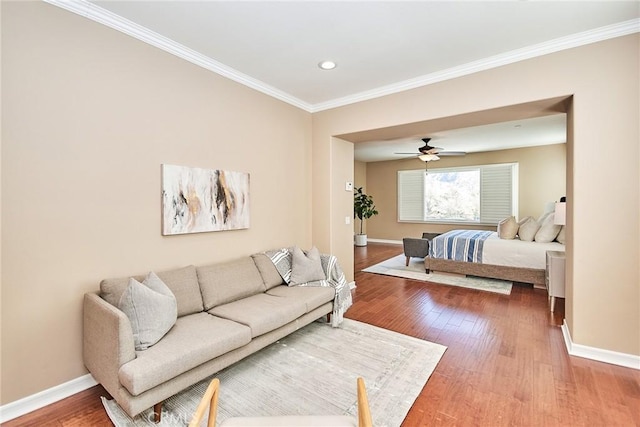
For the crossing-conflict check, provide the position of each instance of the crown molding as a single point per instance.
(105, 17)
(96, 13)
(533, 51)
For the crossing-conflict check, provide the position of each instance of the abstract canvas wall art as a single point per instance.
(197, 200)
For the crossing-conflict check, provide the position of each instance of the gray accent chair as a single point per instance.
(417, 248)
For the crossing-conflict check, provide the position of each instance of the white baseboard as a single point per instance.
(352, 285)
(46, 397)
(393, 242)
(598, 354)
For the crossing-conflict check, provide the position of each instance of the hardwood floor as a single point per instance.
(506, 362)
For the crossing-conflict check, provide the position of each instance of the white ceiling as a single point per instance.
(381, 47)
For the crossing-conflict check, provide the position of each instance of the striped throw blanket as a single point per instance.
(459, 245)
(281, 258)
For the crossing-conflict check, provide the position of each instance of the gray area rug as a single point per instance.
(415, 270)
(313, 372)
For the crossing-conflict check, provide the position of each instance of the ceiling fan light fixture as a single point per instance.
(327, 65)
(428, 157)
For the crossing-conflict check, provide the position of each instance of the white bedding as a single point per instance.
(516, 253)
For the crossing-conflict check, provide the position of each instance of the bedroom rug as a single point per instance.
(313, 371)
(415, 270)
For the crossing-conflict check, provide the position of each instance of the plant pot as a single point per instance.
(361, 240)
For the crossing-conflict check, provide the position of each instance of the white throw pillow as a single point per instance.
(549, 207)
(151, 308)
(508, 228)
(561, 236)
(528, 229)
(306, 268)
(543, 217)
(523, 220)
(548, 230)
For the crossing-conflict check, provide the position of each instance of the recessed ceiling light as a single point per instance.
(327, 65)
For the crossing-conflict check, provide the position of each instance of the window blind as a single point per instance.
(498, 192)
(411, 195)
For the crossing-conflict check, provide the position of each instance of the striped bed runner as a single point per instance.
(459, 245)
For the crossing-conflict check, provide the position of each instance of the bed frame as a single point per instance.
(514, 274)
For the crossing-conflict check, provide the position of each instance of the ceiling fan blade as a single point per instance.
(415, 154)
(432, 153)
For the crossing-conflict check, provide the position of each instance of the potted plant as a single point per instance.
(363, 208)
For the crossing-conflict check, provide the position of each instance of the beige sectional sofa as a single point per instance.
(225, 312)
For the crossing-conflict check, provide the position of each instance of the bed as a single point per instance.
(484, 254)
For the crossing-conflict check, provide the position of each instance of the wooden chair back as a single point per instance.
(210, 400)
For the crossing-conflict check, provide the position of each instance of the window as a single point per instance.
(483, 194)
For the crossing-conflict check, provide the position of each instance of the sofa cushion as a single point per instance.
(262, 312)
(306, 267)
(226, 282)
(268, 271)
(312, 296)
(151, 309)
(183, 283)
(194, 340)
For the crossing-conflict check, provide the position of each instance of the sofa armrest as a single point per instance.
(107, 341)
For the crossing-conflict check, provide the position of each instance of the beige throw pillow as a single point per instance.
(548, 230)
(151, 308)
(508, 228)
(528, 229)
(306, 268)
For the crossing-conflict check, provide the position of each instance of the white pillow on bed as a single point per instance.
(548, 230)
(549, 207)
(543, 217)
(508, 228)
(523, 220)
(561, 236)
(528, 229)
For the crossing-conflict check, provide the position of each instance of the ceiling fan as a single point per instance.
(428, 153)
